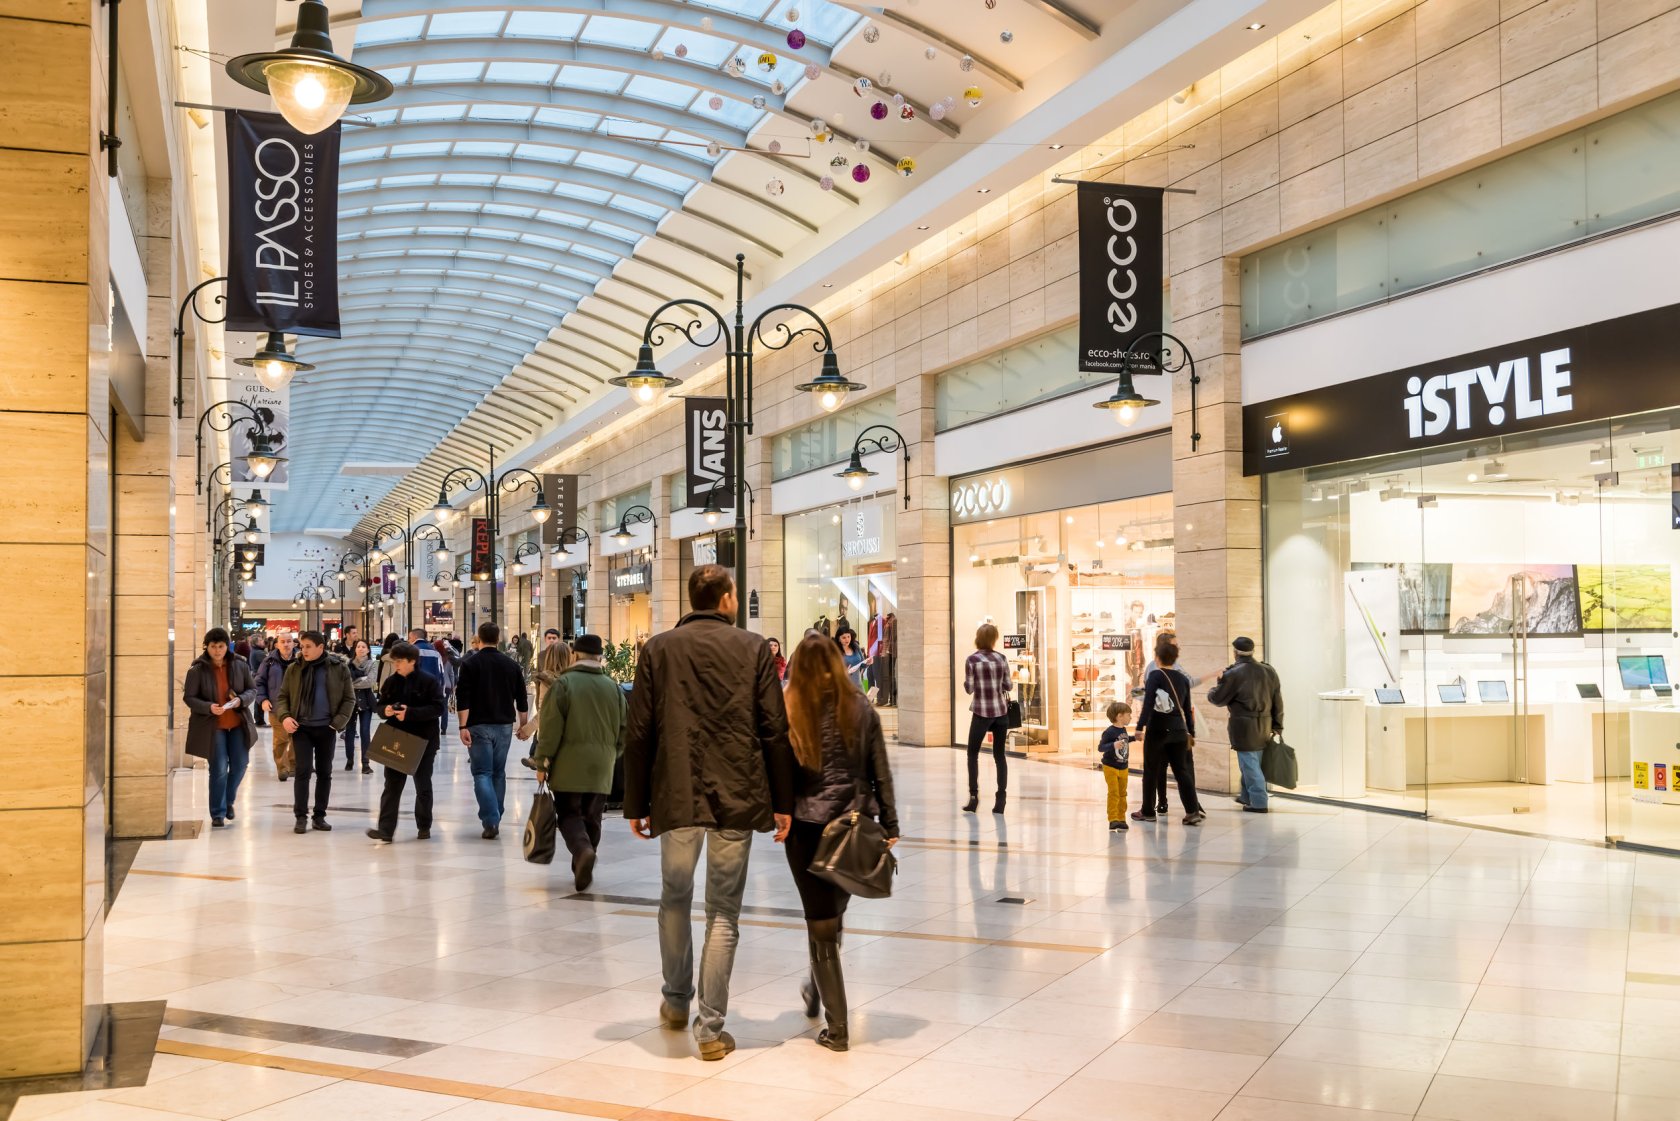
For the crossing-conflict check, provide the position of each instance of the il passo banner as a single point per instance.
(282, 226)
(1120, 272)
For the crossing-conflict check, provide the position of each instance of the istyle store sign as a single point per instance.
(1620, 366)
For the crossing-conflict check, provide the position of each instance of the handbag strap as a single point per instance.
(1183, 716)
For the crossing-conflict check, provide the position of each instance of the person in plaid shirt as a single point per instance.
(986, 680)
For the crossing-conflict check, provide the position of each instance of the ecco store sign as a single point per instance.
(980, 498)
(1608, 369)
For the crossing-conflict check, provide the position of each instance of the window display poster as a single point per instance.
(1643, 790)
(1489, 599)
(1371, 635)
(1626, 597)
(1029, 675)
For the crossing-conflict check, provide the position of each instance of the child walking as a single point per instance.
(1116, 758)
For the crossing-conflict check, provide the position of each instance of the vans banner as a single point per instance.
(710, 456)
(1120, 273)
(282, 226)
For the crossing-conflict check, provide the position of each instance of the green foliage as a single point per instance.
(621, 662)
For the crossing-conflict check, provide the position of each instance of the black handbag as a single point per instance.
(541, 827)
(1278, 764)
(854, 855)
(397, 749)
(1013, 716)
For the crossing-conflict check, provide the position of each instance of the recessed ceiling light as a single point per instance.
(1056, 147)
(1255, 26)
(984, 191)
(828, 284)
(921, 227)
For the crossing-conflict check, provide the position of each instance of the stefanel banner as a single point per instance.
(561, 493)
(1120, 272)
(710, 457)
(483, 549)
(282, 226)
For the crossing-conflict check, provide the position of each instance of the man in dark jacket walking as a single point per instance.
(1250, 691)
(489, 697)
(705, 765)
(410, 701)
(317, 699)
(269, 677)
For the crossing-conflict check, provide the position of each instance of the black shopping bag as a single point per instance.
(397, 749)
(540, 828)
(1277, 763)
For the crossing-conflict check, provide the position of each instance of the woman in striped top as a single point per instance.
(986, 680)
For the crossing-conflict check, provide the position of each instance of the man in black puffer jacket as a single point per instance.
(1253, 696)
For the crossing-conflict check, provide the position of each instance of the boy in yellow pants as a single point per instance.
(1116, 757)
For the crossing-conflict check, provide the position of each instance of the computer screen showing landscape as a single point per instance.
(1641, 671)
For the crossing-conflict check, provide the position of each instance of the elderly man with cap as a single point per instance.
(580, 735)
(1251, 693)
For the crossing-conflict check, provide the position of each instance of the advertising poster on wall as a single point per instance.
(1495, 599)
(1372, 634)
(273, 406)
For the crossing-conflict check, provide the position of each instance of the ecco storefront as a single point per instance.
(1471, 532)
(1071, 557)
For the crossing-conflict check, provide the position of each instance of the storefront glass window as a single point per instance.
(1079, 596)
(841, 573)
(828, 440)
(1485, 632)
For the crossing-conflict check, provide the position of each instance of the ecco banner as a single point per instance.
(710, 457)
(483, 550)
(1601, 370)
(560, 492)
(282, 226)
(1120, 272)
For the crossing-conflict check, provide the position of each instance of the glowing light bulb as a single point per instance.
(831, 399)
(644, 394)
(855, 482)
(1126, 415)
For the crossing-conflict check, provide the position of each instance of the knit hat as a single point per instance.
(1242, 644)
(589, 645)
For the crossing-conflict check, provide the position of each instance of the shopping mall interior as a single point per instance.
(1030, 356)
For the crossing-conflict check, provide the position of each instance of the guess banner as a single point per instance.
(483, 550)
(560, 491)
(1120, 272)
(273, 407)
(282, 226)
(710, 457)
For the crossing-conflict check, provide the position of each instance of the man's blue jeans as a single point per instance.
(1253, 781)
(488, 758)
(227, 767)
(726, 880)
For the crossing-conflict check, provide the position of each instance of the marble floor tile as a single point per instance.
(1333, 1084)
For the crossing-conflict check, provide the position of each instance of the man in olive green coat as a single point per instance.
(580, 735)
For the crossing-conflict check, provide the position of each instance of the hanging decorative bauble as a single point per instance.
(991, 4)
(714, 149)
(871, 34)
(680, 50)
(813, 71)
(839, 119)
(973, 95)
(657, 55)
(966, 63)
(839, 163)
(775, 147)
(826, 183)
(820, 131)
(937, 110)
(774, 188)
(906, 167)
(793, 15)
(930, 54)
(897, 99)
(778, 87)
(796, 40)
(862, 86)
(766, 61)
(737, 66)
(1006, 37)
(715, 102)
(861, 144)
(705, 23)
(759, 102)
(860, 173)
(885, 78)
(906, 112)
(878, 110)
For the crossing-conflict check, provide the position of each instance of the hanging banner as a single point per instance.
(388, 579)
(282, 226)
(560, 491)
(710, 457)
(483, 549)
(1120, 272)
(273, 406)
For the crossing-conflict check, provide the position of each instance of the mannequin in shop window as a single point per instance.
(822, 626)
(884, 628)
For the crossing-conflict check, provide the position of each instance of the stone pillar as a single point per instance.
(667, 595)
(766, 561)
(54, 504)
(597, 607)
(924, 577)
(145, 694)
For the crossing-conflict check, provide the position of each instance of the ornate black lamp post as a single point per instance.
(703, 325)
(1166, 354)
(713, 513)
(494, 486)
(636, 515)
(409, 534)
(890, 439)
(345, 574)
(533, 550)
(264, 455)
(274, 364)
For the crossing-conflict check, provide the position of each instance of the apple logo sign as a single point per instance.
(1277, 431)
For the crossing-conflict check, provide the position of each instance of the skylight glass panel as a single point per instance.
(617, 233)
(361, 155)
(527, 183)
(591, 78)
(378, 116)
(397, 74)
(491, 111)
(535, 73)
(407, 180)
(739, 114)
(822, 22)
(494, 233)
(690, 149)
(610, 164)
(456, 24)
(424, 148)
(543, 25)
(528, 262)
(703, 49)
(568, 118)
(448, 72)
(563, 218)
(462, 179)
(483, 148)
(397, 208)
(660, 92)
(509, 211)
(639, 206)
(389, 30)
(547, 153)
(587, 194)
(597, 255)
(659, 177)
(548, 243)
(633, 34)
(750, 9)
(434, 113)
(441, 231)
(575, 274)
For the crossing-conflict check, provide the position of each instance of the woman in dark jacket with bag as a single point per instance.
(835, 736)
(221, 691)
(1167, 723)
(412, 702)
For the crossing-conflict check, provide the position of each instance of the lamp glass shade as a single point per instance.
(830, 387)
(441, 555)
(713, 515)
(540, 512)
(310, 93)
(622, 534)
(1126, 402)
(260, 465)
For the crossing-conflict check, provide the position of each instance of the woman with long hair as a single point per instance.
(836, 739)
(986, 680)
(363, 674)
(779, 658)
(220, 691)
(1168, 724)
(449, 665)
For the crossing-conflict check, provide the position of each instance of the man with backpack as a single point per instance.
(1251, 693)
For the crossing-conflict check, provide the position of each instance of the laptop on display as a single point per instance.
(1452, 694)
(1493, 692)
(1390, 697)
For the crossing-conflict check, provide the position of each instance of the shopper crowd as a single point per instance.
(719, 736)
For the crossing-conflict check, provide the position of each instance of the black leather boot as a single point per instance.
(830, 983)
(973, 802)
(997, 806)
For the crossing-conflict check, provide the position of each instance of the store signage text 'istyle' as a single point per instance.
(1595, 372)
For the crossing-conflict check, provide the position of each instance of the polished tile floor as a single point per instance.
(1312, 964)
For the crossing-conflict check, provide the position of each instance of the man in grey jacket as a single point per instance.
(1251, 693)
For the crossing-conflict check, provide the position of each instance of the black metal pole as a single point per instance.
(191, 302)
(495, 530)
(740, 405)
